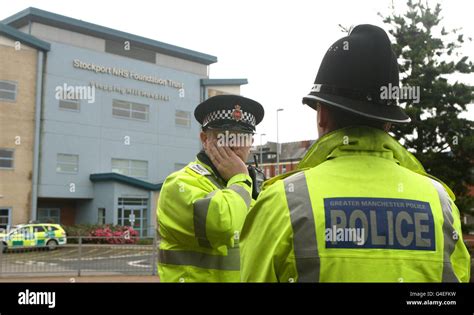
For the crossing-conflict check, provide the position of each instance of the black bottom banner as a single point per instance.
(135, 298)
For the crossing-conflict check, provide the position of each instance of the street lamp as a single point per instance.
(261, 147)
(278, 146)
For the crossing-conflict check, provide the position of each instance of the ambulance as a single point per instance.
(42, 235)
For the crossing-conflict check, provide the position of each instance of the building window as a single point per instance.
(178, 166)
(133, 212)
(134, 168)
(101, 216)
(4, 218)
(6, 158)
(67, 163)
(49, 215)
(8, 91)
(182, 118)
(72, 105)
(129, 110)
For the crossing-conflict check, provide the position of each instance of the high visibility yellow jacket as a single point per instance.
(199, 220)
(360, 209)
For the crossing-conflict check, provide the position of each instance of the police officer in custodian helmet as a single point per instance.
(360, 208)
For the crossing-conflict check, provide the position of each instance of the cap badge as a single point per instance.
(237, 113)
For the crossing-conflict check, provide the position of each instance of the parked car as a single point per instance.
(45, 235)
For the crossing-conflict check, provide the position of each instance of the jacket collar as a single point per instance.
(362, 140)
(206, 162)
(359, 140)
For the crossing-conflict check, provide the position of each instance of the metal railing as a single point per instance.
(83, 255)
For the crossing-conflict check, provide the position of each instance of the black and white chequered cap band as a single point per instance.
(228, 114)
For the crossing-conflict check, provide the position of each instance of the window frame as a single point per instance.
(66, 163)
(12, 159)
(48, 209)
(130, 168)
(101, 218)
(130, 110)
(8, 216)
(78, 102)
(188, 119)
(15, 83)
(132, 204)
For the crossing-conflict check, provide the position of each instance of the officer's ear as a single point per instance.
(323, 117)
(206, 136)
(203, 137)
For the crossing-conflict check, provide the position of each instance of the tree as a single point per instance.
(439, 138)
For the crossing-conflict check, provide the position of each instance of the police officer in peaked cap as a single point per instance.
(202, 207)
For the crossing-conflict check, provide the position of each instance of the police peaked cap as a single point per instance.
(229, 112)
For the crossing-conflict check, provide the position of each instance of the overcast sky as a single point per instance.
(276, 45)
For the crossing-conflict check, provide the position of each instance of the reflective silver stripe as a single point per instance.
(214, 181)
(201, 207)
(448, 233)
(242, 192)
(231, 262)
(304, 228)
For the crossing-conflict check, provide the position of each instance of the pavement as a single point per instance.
(94, 263)
(89, 260)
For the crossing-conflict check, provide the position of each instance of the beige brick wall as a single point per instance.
(17, 119)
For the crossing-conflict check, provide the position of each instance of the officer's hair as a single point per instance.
(208, 130)
(342, 118)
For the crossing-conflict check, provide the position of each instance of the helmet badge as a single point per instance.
(237, 113)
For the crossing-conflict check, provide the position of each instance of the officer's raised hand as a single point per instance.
(226, 161)
(210, 197)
